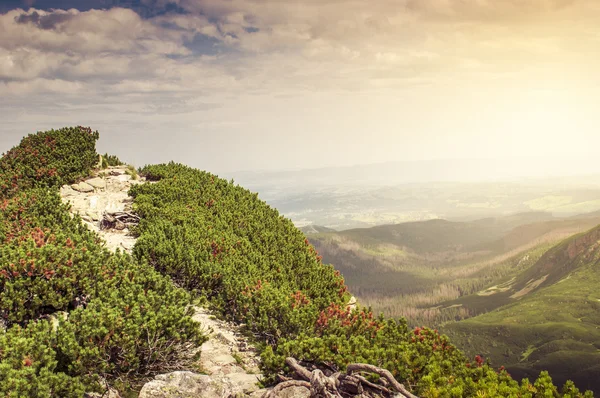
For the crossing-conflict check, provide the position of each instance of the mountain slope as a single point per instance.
(118, 319)
(439, 270)
(554, 321)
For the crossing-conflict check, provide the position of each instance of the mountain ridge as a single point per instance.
(123, 319)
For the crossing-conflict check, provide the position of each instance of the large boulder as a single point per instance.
(185, 385)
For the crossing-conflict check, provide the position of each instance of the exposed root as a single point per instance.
(340, 385)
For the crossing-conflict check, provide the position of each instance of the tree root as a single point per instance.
(340, 385)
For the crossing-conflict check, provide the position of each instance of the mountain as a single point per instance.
(553, 318)
(78, 318)
(432, 271)
(315, 229)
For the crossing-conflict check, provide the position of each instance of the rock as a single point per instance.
(294, 392)
(259, 393)
(224, 359)
(94, 216)
(244, 382)
(184, 385)
(351, 303)
(66, 191)
(97, 182)
(83, 187)
(227, 338)
(111, 393)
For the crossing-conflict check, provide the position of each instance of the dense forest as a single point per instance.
(78, 317)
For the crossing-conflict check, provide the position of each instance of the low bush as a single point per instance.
(29, 365)
(48, 159)
(125, 321)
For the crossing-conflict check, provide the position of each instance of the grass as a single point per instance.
(131, 170)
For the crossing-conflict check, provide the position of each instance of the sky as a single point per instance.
(228, 85)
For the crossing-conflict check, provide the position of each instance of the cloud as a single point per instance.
(46, 21)
(179, 56)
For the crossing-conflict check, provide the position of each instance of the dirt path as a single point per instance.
(226, 357)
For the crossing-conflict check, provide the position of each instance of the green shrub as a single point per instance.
(125, 320)
(28, 364)
(139, 325)
(254, 266)
(220, 241)
(48, 159)
(111, 160)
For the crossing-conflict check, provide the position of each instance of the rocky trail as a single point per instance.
(228, 362)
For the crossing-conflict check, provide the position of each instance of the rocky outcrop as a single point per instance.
(105, 193)
(229, 362)
(184, 385)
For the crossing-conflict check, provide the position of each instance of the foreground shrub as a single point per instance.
(138, 325)
(28, 364)
(125, 321)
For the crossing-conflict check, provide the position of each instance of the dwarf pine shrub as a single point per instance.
(125, 320)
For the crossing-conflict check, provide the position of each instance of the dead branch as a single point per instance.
(296, 367)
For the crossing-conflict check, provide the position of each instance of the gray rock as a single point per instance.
(83, 187)
(259, 393)
(227, 338)
(97, 182)
(111, 393)
(244, 381)
(224, 359)
(294, 392)
(94, 216)
(184, 385)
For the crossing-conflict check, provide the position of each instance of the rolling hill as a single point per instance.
(435, 271)
(553, 320)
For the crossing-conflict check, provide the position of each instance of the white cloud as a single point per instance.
(227, 64)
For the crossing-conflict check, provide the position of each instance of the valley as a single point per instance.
(518, 290)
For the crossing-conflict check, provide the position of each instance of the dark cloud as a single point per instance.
(46, 22)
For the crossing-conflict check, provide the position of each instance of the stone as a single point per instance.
(111, 393)
(97, 182)
(259, 393)
(224, 359)
(184, 385)
(94, 216)
(83, 187)
(351, 303)
(294, 392)
(244, 382)
(227, 338)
